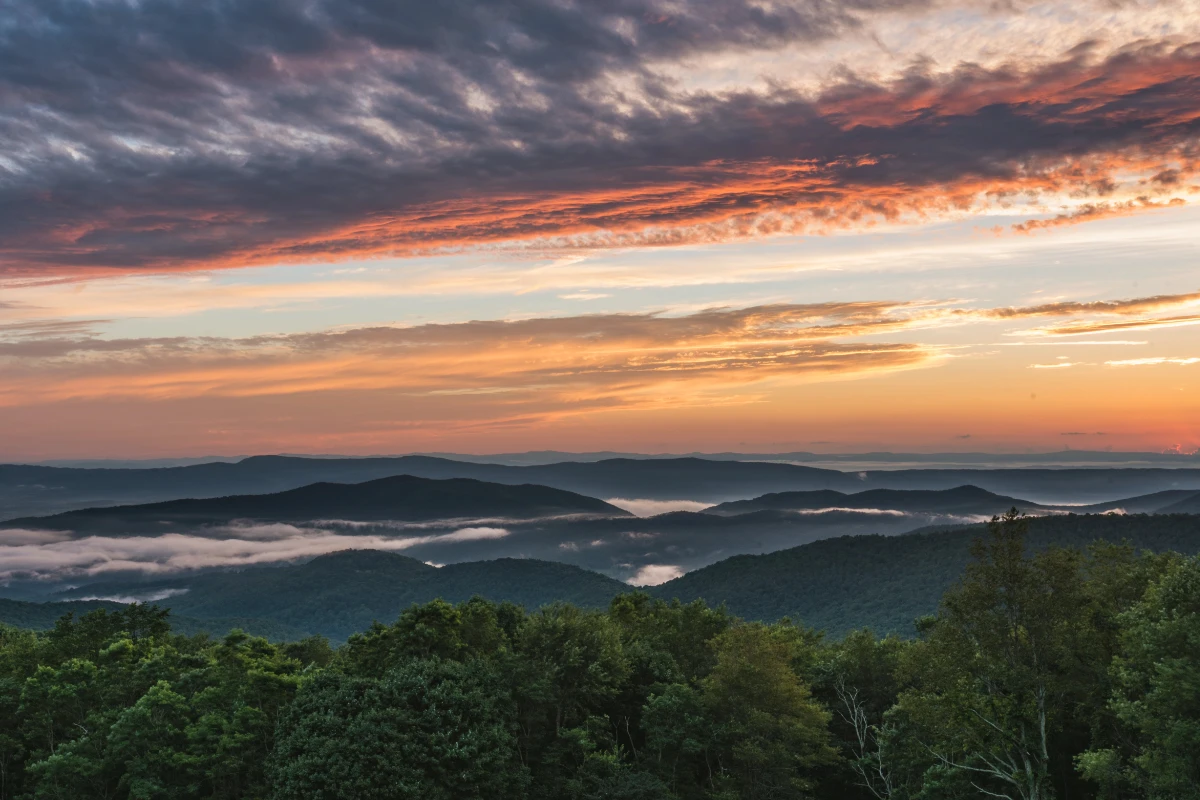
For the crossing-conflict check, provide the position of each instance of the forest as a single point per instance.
(1062, 673)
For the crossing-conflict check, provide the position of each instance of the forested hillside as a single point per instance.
(1057, 675)
(43, 616)
(339, 594)
(886, 582)
(835, 585)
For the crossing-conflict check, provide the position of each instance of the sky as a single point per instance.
(363, 227)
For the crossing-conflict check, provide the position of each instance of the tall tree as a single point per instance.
(1001, 663)
(750, 730)
(1157, 695)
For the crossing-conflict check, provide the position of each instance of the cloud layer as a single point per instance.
(53, 555)
(555, 365)
(166, 134)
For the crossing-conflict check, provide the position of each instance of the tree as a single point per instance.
(431, 729)
(751, 730)
(1001, 663)
(859, 680)
(1157, 694)
(573, 663)
(437, 629)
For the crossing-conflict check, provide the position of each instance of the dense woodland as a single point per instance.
(887, 582)
(1065, 674)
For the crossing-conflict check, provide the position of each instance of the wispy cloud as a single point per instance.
(609, 358)
(51, 554)
(1138, 308)
(649, 508)
(1152, 362)
(585, 362)
(655, 574)
(1089, 212)
(1084, 328)
(584, 296)
(331, 130)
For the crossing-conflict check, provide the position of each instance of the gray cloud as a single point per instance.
(170, 133)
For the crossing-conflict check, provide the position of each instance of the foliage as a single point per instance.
(1047, 672)
(429, 729)
(113, 705)
(1156, 696)
(339, 594)
(885, 582)
(43, 616)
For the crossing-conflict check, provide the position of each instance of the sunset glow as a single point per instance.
(729, 226)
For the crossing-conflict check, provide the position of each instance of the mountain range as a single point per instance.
(459, 520)
(402, 498)
(838, 584)
(1059, 458)
(249, 543)
(40, 490)
(453, 521)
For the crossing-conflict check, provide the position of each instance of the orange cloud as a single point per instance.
(1139, 305)
(582, 362)
(588, 361)
(1094, 211)
(701, 168)
(1079, 328)
(644, 377)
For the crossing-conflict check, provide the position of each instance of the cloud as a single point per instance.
(1137, 305)
(655, 574)
(493, 375)
(53, 556)
(470, 535)
(583, 296)
(818, 512)
(148, 597)
(1151, 362)
(602, 360)
(649, 508)
(13, 537)
(604, 356)
(164, 135)
(496, 377)
(1120, 308)
(1083, 328)
(1094, 211)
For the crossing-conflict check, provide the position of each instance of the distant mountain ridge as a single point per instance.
(966, 500)
(541, 457)
(399, 497)
(41, 490)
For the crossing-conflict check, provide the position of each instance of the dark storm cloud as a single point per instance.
(163, 134)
